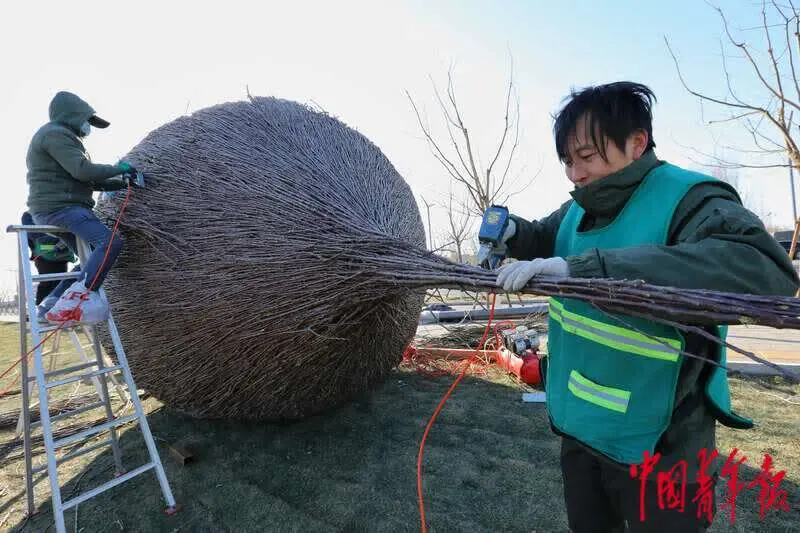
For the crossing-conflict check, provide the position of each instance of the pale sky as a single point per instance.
(142, 64)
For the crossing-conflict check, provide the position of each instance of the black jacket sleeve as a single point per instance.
(536, 238)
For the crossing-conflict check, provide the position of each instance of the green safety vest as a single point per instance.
(611, 384)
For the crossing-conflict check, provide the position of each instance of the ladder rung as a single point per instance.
(71, 412)
(69, 369)
(80, 377)
(55, 277)
(107, 485)
(93, 431)
(73, 455)
(65, 370)
(45, 326)
(48, 327)
(36, 228)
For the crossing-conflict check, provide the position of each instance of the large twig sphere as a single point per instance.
(252, 282)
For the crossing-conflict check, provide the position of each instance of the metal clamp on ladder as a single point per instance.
(98, 369)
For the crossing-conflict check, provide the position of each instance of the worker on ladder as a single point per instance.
(61, 179)
(620, 387)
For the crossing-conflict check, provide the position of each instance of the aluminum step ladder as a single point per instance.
(53, 352)
(97, 369)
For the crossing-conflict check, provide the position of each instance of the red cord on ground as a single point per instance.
(4, 392)
(439, 408)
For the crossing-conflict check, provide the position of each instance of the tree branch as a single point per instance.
(733, 118)
(451, 168)
(743, 47)
(450, 122)
(775, 69)
(787, 21)
(506, 124)
(753, 130)
(782, 127)
(718, 162)
(474, 172)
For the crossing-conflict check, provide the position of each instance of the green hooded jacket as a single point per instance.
(713, 243)
(60, 173)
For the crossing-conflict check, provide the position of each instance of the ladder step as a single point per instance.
(71, 412)
(55, 277)
(105, 486)
(66, 370)
(36, 228)
(48, 327)
(93, 431)
(73, 455)
(81, 377)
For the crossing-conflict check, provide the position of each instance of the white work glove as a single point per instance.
(512, 277)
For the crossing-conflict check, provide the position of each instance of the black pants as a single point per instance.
(47, 267)
(602, 497)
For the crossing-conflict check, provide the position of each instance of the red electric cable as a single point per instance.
(439, 408)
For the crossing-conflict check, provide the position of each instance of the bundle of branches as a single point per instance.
(685, 309)
(275, 265)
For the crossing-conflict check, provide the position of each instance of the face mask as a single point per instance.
(86, 129)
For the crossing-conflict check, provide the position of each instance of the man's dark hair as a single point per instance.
(612, 111)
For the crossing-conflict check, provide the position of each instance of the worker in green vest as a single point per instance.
(618, 388)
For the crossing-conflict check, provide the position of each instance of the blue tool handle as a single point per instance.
(495, 220)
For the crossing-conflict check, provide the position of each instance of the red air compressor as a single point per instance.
(518, 353)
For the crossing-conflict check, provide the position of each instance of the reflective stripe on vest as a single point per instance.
(614, 399)
(614, 336)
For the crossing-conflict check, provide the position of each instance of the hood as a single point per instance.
(68, 109)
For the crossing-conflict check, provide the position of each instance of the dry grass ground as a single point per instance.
(491, 465)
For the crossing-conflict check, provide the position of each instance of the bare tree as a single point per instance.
(459, 229)
(484, 185)
(457, 153)
(767, 117)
